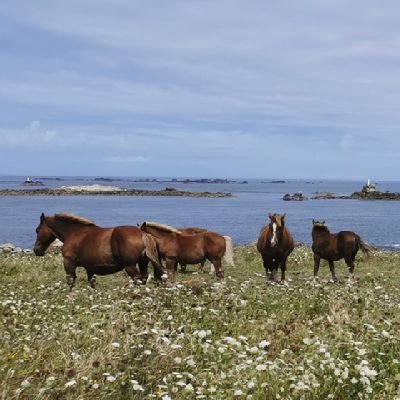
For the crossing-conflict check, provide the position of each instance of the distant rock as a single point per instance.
(294, 197)
(56, 246)
(375, 195)
(324, 196)
(7, 248)
(100, 190)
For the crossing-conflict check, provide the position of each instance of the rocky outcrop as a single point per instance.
(111, 191)
(327, 196)
(359, 196)
(363, 195)
(294, 197)
(6, 248)
(9, 248)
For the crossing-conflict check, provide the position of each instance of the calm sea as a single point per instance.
(241, 217)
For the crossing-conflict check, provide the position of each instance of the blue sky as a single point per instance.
(257, 89)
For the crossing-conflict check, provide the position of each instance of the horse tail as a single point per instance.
(228, 256)
(364, 246)
(150, 248)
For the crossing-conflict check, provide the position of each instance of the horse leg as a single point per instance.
(183, 267)
(275, 268)
(219, 269)
(133, 272)
(350, 263)
(332, 268)
(171, 265)
(201, 267)
(91, 278)
(70, 270)
(144, 274)
(268, 265)
(212, 268)
(317, 261)
(283, 270)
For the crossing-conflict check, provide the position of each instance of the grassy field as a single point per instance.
(203, 339)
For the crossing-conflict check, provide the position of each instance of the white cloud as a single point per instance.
(202, 80)
(126, 159)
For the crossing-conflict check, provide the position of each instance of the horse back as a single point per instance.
(91, 246)
(334, 246)
(347, 242)
(127, 243)
(200, 246)
(214, 243)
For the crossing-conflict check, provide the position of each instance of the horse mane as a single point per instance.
(163, 227)
(68, 217)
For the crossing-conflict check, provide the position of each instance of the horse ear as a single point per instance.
(42, 218)
(270, 215)
(313, 221)
(283, 216)
(323, 222)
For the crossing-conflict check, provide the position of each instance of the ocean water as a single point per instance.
(241, 216)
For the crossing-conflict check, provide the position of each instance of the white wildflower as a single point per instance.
(253, 350)
(263, 344)
(70, 383)
(136, 386)
(25, 383)
(190, 362)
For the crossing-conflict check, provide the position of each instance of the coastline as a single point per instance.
(76, 191)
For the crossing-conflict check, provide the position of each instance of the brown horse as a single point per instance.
(193, 230)
(335, 246)
(275, 243)
(176, 247)
(100, 251)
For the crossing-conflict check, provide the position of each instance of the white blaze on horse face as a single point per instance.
(274, 239)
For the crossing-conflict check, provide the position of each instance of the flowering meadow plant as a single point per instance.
(240, 338)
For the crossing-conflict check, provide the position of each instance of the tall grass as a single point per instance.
(203, 339)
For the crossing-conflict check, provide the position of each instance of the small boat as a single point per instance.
(32, 182)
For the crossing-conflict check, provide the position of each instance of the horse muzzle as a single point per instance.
(38, 251)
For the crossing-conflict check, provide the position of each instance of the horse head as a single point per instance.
(277, 225)
(44, 237)
(319, 227)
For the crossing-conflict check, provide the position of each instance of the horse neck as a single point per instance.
(163, 238)
(64, 229)
(280, 234)
(316, 234)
